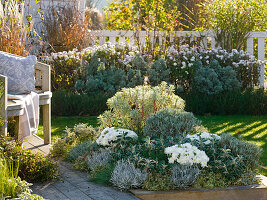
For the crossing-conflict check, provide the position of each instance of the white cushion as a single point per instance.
(20, 72)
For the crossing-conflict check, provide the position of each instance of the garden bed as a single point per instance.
(255, 192)
(159, 147)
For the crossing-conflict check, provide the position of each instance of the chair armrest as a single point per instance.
(3, 104)
(46, 75)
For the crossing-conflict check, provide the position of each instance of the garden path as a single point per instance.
(74, 185)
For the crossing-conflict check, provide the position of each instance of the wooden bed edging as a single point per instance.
(251, 192)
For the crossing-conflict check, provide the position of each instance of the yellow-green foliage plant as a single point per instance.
(11, 186)
(232, 20)
(130, 107)
(8, 178)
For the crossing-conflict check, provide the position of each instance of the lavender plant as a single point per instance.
(99, 159)
(126, 175)
(184, 175)
(79, 150)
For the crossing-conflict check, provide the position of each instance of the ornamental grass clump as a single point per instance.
(11, 185)
(130, 107)
(8, 178)
(126, 175)
(170, 122)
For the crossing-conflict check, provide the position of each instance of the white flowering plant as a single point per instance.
(184, 60)
(186, 154)
(110, 135)
(204, 137)
(67, 67)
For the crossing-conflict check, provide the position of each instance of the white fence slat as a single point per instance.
(112, 40)
(204, 42)
(121, 39)
(132, 40)
(250, 47)
(213, 43)
(102, 40)
(261, 56)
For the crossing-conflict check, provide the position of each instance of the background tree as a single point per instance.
(232, 20)
(148, 15)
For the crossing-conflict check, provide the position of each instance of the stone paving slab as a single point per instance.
(74, 185)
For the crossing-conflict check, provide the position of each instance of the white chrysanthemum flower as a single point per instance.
(111, 134)
(186, 154)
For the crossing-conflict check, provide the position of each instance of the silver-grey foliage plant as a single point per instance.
(170, 122)
(79, 150)
(126, 175)
(99, 159)
(184, 175)
(213, 78)
(249, 151)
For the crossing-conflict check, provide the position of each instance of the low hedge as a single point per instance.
(248, 102)
(67, 104)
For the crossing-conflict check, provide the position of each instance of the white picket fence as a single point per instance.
(206, 39)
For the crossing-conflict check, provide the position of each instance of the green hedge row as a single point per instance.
(248, 102)
(66, 104)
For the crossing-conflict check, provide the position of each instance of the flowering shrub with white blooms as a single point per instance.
(205, 137)
(184, 60)
(69, 66)
(186, 154)
(109, 135)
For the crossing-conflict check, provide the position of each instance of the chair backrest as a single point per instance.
(42, 76)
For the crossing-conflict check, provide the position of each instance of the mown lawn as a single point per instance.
(250, 128)
(60, 123)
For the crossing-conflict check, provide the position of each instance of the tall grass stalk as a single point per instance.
(65, 26)
(8, 178)
(14, 33)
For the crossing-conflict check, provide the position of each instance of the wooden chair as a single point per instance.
(15, 107)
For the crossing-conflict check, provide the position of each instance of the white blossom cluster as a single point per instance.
(74, 54)
(107, 48)
(206, 137)
(186, 154)
(186, 56)
(109, 135)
